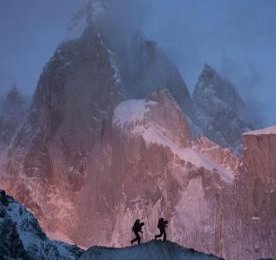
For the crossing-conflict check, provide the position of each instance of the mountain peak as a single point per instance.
(14, 97)
(217, 103)
(211, 82)
(208, 69)
(209, 74)
(91, 32)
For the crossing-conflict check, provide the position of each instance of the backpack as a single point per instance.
(160, 223)
(136, 226)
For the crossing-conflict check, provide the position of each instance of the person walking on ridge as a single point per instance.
(162, 225)
(136, 229)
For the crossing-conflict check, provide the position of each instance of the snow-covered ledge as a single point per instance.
(265, 131)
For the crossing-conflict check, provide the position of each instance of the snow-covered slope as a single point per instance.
(155, 250)
(22, 238)
(219, 110)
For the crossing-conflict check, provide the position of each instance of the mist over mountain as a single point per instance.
(237, 40)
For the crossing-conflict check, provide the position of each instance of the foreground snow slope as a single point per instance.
(22, 238)
(154, 250)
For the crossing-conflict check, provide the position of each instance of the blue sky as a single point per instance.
(237, 38)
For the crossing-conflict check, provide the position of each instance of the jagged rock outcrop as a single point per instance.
(22, 238)
(219, 110)
(154, 250)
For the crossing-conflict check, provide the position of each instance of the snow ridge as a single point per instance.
(154, 250)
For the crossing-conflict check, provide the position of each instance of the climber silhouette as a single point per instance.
(162, 224)
(136, 229)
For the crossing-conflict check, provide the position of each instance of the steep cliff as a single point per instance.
(257, 189)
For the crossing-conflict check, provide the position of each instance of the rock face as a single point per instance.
(70, 114)
(22, 237)
(154, 250)
(98, 151)
(219, 109)
(257, 187)
(260, 155)
(150, 168)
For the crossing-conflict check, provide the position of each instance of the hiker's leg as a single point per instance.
(133, 240)
(165, 236)
(139, 239)
(160, 235)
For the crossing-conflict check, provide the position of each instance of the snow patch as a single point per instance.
(131, 111)
(265, 131)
